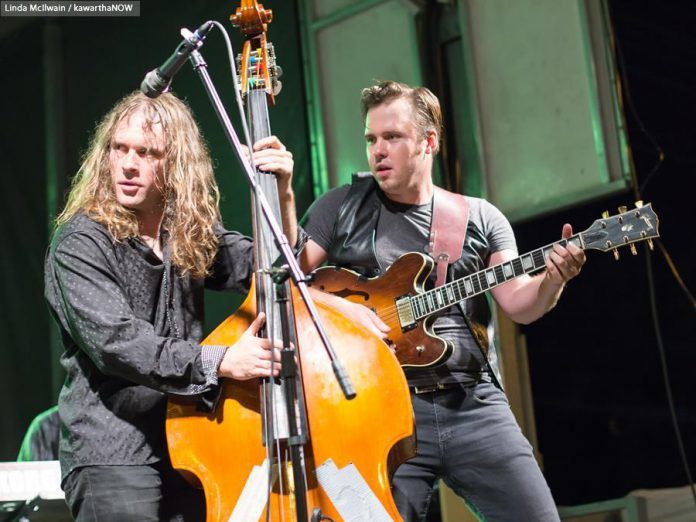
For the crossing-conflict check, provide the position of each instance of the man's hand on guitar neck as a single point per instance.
(527, 298)
(563, 264)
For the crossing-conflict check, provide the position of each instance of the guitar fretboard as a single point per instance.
(449, 294)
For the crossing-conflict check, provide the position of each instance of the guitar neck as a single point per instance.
(444, 296)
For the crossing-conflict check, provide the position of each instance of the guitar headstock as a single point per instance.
(625, 228)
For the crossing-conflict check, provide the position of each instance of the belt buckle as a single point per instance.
(419, 390)
(431, 388)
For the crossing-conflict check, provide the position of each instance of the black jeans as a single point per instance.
(132, 493)
(468, 437)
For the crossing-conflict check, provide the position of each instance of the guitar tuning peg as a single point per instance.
(622, 209)
(650, 244)
(616, 253)
(633, 249)
(605, 214)
(639, 203)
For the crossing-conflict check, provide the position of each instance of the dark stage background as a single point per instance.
(603, 421)
(602, 415)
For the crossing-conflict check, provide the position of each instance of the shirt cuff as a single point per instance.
(211, 357)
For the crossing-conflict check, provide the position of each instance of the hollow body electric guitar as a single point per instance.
(399, 299)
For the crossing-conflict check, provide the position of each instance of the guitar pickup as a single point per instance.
(404, 310)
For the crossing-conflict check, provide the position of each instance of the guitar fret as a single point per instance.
(482, 280)
(490, 276)
(450, 294)
(416, 306)
(517, 267)
(475, 283)
(444, 296)
(539, 259)
(437, 297)
(423, 305)
(468, 286)
(499, 276)
(527, 263)
(459, 290)
(508, 271)
(430, 302)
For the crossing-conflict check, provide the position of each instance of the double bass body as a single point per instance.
(222, 449)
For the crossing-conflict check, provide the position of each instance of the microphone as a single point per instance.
(157, 81)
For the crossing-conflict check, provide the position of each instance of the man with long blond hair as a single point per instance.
(466, 433)
(138, 241)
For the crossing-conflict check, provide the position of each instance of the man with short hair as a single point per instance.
(466, 432)
(138, 241)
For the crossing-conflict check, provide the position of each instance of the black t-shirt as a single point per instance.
(404, 228)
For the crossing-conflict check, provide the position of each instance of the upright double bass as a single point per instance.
(240, 453)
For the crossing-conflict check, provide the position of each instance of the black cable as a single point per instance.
(665, 373)
(638, 191)
(632, 108)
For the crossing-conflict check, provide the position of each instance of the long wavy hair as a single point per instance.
(190, 193)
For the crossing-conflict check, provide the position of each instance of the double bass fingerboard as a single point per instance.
(266, 253)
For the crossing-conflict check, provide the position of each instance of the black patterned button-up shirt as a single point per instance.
(130, 326)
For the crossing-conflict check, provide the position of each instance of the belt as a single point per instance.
(431, 388)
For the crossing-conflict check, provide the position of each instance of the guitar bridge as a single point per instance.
(404, 310)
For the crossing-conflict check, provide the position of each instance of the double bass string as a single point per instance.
(258, 115)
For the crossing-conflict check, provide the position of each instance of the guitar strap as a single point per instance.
(447, 230)
(447, 235)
